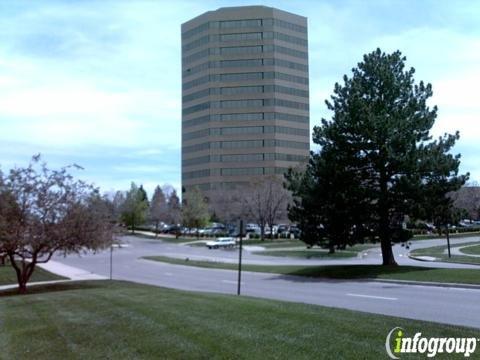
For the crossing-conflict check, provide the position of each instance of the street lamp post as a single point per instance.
(111, 260)
(240, 259)
(448, 241)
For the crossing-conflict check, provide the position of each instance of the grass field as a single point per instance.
(118, 320)
(439, 252)
(452, 235)
(8, 276)
(308, 254)
(472, 250)
(344, 272)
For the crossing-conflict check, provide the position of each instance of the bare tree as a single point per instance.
(228, 205)
(43, 212)
(174, 214)
(194, 209)
(266, 199)
(468, 198)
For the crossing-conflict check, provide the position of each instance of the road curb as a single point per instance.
(437, 260)
(428, 283)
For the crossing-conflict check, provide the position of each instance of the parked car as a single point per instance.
(282, 228)
(252, 228)
(225, 242)
(295, 231)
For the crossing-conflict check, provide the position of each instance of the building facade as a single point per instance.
(245, 96)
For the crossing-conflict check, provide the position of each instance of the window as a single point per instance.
(201, 41)
(241, 90)
(197, 121)
(290, 117)
(196, 95)
(242, 157)
(242, 171)
(241, 76)
(196, 174)
(241, 144)
(290, 26)
(242, 130)
(196, 161)
(195, 108)
(196, 134)
(241, 36)
(228, 104)
(196, 82)
(291, 131)
(241, 63)
(196, 147)
(201, 28)
(241, 50)
(240, 23)
(239, 117)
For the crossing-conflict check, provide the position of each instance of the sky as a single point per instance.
(98, 83)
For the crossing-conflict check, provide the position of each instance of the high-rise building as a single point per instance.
(245, 98)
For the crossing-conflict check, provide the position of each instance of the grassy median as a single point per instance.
(344, 272)
(440, 253)
(119, 320)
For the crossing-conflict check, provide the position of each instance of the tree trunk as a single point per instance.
(262, 232)
(387, 253)
(156, 229)
(331, 249)
(384, 225)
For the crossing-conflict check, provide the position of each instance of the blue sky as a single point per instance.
(97, 83)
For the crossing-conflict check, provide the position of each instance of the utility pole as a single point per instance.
(448, 241)
(111, 260)
(240, 259)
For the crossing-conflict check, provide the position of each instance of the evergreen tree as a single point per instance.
(174, 208)
(158, 208)
(195, 209)
(383, 155)
(135, 206)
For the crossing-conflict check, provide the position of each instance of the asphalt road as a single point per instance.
(459, 306)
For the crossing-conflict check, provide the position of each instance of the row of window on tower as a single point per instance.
(250, 36)
(244, 63)
(245, 130)
(247, 23)
(243, 50)
(237, 90)
(233, 172)
(242, 104)
(244, 158)
(246, 144)
(248, 76)
(255, 116)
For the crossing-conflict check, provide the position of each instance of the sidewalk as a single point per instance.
(70, 272)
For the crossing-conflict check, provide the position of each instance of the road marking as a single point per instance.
(372, 297)
(231, 282)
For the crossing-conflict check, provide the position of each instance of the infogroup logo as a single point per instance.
(397, 343)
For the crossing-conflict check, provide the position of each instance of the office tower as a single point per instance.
(245, 98)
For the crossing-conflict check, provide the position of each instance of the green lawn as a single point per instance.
(439, 253)
(473, 250)
(118, 320)
(8, 276)
(308, 254)
(344, 272)
(452, 235)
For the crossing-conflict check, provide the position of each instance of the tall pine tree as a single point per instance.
(379, 154)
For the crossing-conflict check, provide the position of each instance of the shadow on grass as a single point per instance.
(57, 287)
